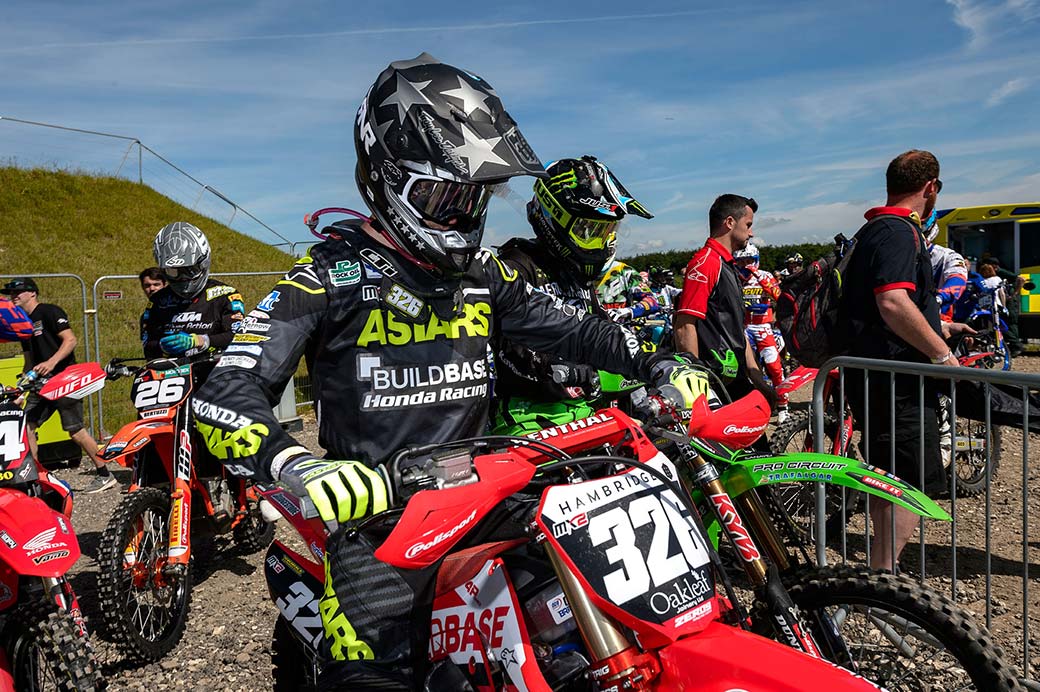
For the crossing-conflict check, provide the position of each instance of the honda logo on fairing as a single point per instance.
(439, 538)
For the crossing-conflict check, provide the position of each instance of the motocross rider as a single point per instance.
(761, 290)
(624, 293)
(948, 268)
(15, 325)
(394, 315)
(575, 215)
(193, 314)
(662, 283)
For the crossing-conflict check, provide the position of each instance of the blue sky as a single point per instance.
(798, 104)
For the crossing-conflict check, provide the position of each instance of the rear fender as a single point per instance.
(727, 658)
(133, 437)
(809, 467)
(296, 584)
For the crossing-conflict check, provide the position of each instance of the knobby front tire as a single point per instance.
(145, 611)
(901, 635)
(46, 651)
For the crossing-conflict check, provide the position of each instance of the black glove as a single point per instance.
(574, 375)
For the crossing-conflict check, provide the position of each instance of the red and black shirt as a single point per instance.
(891, 254)
(712, 293)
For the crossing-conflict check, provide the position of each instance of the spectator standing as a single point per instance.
(709, 317)
(990, 280)
(49, 350)
(889, 303)
(152, 280)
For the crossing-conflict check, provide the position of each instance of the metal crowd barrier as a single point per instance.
(140, 303)
(84, 337)
(948, 376)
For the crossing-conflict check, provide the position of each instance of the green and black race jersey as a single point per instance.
(391, 365)
(520, 371)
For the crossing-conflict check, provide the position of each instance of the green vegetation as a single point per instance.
(772, 257)
(60, 222)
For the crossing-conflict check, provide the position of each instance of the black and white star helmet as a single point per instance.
(182, 253)
(432, 143)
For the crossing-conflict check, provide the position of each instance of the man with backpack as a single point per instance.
(889, 309)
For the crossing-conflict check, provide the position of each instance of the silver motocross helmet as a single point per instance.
(182, 254)
(432, 142)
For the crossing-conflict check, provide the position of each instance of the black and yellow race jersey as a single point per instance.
(391, 364)
(216, 312)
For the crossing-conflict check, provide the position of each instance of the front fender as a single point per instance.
(132, 437)
(809, 467)
(35, 540)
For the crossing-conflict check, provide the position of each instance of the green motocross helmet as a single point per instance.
(576, 213)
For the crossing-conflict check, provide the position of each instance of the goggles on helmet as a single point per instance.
(459, 206)
(588, 234)
(183, 273)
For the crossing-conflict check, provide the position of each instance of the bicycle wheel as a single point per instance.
(898, 634)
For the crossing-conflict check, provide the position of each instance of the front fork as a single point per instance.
(764, 577)
(616, 663)
(179, 553)
(60, 590)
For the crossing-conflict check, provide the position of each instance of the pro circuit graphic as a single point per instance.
(404, 386)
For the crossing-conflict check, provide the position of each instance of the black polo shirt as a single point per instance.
(48, 322)
(891, 254)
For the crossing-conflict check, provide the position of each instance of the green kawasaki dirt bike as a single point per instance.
(892, 630)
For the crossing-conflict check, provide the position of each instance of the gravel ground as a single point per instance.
(227, 642)
(226, 645)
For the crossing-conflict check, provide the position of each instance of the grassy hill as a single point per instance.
(59, 222)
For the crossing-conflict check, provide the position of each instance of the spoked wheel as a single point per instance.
(254, 533)
(143, 601)
(898, 634)
(970, 455)
(46, 651)
(796, 501)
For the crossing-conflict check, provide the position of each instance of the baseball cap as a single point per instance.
(18, 285)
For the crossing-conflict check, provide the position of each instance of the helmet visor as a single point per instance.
(593, 234)
(459, 206)
(183, 273)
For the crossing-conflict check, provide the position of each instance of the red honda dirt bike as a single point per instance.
(145, 560)
(612, 587)
(43, 638)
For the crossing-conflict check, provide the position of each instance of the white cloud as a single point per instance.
(1006, 91)
(986, 21)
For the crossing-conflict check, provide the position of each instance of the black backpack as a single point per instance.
(808, 309)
